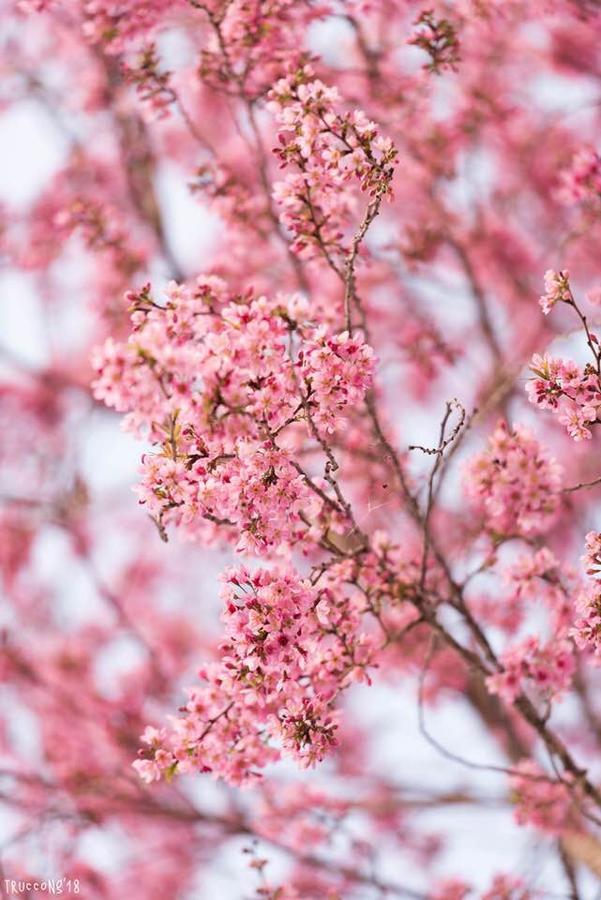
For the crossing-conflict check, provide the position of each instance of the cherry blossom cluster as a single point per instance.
(582, 180)
(515, 483)
(573, 393)
(249, 44)
(288, 652)
(587, 626)
(540, 801)
(337, 370)
(329, 150)
(535, 577)
(547, 668)
(557, 290)
(212, 380)
(525, 573)
(592, 554)
(115, 25)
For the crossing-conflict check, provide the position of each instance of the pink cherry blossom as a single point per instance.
(515, 483)
(540, 802)
(557, 290)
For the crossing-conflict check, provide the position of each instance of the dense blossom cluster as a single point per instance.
(288, 652)
(573, 392)
(548, 669)
(515, 482)
(213, 380)
(570, 390)
(329, 151)
(248, 45)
